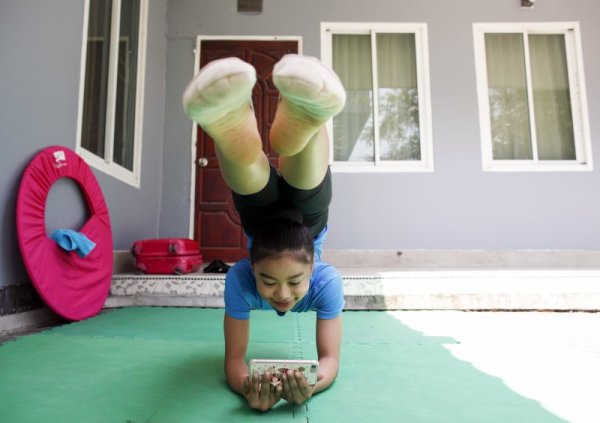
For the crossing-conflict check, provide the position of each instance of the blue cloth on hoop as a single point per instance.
(70, 240)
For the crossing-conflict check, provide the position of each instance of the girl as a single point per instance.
(284, 212)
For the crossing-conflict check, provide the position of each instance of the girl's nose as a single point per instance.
(282, 292)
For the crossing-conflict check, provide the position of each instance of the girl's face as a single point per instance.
(282, 280)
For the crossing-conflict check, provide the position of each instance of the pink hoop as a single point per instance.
(75, 288)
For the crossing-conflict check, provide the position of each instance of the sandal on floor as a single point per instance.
(217, 266)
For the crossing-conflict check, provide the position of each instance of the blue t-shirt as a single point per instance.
(325, 293)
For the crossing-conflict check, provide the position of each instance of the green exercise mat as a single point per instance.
(166, 365)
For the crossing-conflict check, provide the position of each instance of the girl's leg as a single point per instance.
(218, 99)
(307, 169)
(311, 93)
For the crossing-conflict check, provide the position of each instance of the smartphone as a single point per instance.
(309, 368)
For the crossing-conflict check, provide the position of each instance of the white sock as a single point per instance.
(309, 84)
(220, 87)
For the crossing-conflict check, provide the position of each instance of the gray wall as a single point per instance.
(40, 60)
(456, 207)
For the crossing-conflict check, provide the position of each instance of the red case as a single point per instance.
(167, 256)
(168, 265)
(165, 247)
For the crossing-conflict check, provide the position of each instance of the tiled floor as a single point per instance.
(165, 365)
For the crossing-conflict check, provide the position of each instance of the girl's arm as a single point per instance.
(236, 344)
(260, 396)
(329, 339)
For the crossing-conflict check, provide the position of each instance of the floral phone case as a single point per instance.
(309, 368)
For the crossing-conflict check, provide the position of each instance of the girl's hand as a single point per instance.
(295, 388)
(261, 395)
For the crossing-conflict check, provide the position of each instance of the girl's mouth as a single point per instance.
(283, 305)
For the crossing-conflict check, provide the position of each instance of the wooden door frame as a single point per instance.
(199, 39)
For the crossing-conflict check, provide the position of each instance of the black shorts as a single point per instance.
(278, 194)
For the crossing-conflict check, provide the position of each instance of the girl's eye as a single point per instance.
(294, 283)
(267, 283)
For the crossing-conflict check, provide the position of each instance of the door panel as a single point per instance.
(217, 225)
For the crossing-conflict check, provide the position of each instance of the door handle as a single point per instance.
(202, 162)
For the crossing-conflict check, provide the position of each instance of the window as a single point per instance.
(533, 112)
(109, 127)
(386, 124)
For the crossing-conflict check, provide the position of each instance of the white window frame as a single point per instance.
(106, 163)
(583, 148)
(425, 164)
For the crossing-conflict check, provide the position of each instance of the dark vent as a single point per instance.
(249, 6)
(18, 299)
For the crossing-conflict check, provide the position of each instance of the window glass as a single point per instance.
(398, 97)
(507, 91)
(551, 97)
(96, 76)
(126, 84)
(353, 127)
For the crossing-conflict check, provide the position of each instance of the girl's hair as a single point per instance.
(283, 231)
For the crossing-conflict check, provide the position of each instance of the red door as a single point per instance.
(217, 225)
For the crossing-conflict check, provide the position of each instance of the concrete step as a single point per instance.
(368, 288)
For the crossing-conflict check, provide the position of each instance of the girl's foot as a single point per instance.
(311, 93)
(309, 84)
(220, 88)
(219, 99)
